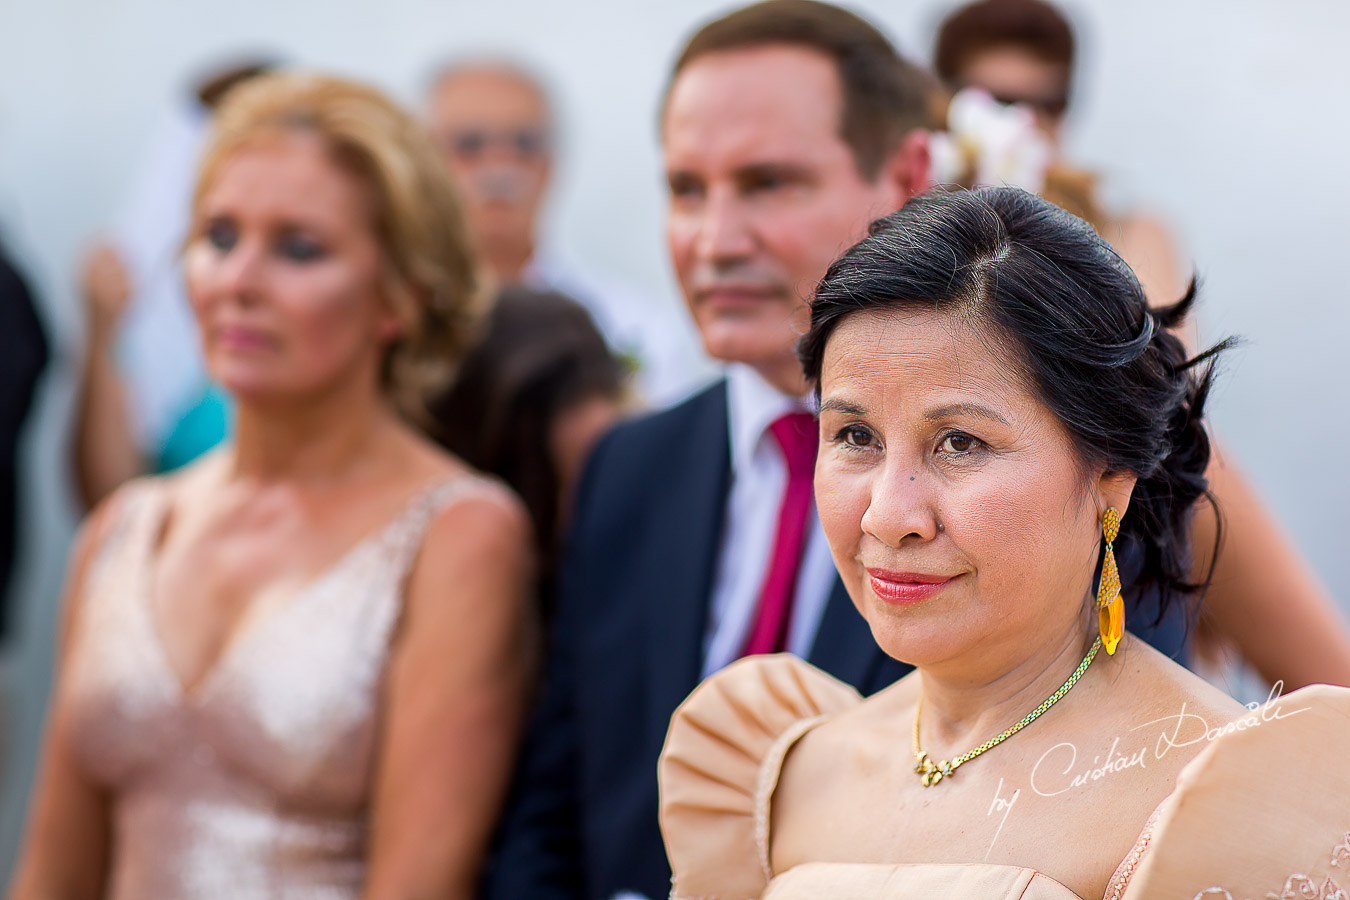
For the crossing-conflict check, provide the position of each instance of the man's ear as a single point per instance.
(1114, 489)
(908, 170)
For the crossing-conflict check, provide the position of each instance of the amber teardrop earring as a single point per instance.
(1110, 606)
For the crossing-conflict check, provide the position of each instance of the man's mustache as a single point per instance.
(501, 185)
(746, 277)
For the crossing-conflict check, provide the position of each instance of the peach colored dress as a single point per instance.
(257, 782)
(1260, 814)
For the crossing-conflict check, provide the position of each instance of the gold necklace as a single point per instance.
(931, 772)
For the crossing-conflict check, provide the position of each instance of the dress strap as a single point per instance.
(407, 532)
(135, 514)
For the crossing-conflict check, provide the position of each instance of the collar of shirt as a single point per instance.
(752, 406)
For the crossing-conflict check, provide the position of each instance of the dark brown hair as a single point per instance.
(884, 96)
(1033, 25)
(539, 356)
(1079, 328)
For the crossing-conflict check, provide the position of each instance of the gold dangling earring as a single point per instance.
(1110, 606)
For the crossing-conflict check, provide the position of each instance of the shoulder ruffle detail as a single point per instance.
(720, 765)
(1261, 811)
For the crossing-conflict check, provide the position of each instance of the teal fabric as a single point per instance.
(205, 424)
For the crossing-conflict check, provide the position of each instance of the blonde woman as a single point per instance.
(299, 667)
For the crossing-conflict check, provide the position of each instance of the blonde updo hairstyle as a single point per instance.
(427, 268)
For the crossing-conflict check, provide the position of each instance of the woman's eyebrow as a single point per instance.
(842, 406)
(973, 410)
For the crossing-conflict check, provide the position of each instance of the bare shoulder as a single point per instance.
(477, 515)
(1120, 745)
(478, 545)
(1135, 729)
(102, 521)
(1144, 230)
(1151, 250)
(92, 536)
(1157, 685)
(850, 735)
(849, 753)
(189, 484)
(481, 516)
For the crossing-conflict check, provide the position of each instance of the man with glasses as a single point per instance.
(493, 123)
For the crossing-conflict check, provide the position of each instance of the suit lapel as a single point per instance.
(844, 646)
(690, 510)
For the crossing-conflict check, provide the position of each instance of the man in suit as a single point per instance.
(788, 127)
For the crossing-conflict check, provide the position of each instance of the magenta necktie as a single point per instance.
(797, 436)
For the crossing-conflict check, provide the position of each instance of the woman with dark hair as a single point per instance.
(529, 402)
(1011, 445)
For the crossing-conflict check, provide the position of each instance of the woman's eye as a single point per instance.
(854, 436)
(957, 442)
(300, 249)
(222, 236)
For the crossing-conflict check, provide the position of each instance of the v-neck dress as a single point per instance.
(256, 783)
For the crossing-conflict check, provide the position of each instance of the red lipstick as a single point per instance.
(902, 588)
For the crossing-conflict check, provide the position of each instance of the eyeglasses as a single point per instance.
(471, 144)
(1051, 107)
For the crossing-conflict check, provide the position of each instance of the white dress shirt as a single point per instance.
(758, 476)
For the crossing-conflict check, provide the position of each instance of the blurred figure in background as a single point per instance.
(146, 403)
(496, 130)
(530, 400)
(23, 355)
(298, 667)
(1022, 52)
(1269, 606)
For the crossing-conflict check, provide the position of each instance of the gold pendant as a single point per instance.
(930, 773)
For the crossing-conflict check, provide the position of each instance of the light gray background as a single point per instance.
(1229, 119)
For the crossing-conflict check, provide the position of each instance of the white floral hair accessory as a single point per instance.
(989, 144)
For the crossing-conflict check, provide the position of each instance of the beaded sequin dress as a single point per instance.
(256, 782)
(1263, 813)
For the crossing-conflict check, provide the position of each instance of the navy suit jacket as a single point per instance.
(627, 649)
